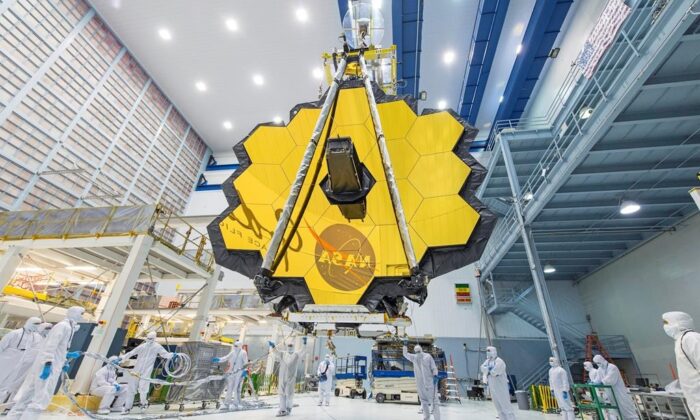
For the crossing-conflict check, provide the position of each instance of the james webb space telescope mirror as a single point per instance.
(358, 201)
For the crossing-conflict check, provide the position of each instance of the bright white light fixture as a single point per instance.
(30, 269)
(302, 15)
(231, 24)
(317, 72)
(518, 29)
(200, 85)
(519, 49)
(585, 112)
(258, 80)
(548, 269)
(500, 99)
(528, 196)
(262, 321)
(442, 104)
(277, 119)
(629, 207)
(80, 267)
(448, 57)
(228, 125)
(165, 34)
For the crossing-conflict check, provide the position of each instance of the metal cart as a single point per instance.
(202, 366)
(661, 405)
(592, 401)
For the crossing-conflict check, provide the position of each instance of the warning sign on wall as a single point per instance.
(463, 293)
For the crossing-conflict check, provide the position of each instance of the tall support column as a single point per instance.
(9, 261)
(113, 312)
(206, 298)
(242, 333)
(533, 258)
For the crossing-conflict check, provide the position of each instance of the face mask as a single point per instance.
(672, 331)
(491, 354)
(552, 363)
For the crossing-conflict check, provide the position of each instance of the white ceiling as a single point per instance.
(270, 41)
(448, 25)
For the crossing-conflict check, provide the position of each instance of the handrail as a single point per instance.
(566, 120)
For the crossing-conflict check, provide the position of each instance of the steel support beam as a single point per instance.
(166, 182)
(553, 335)
(206, 298)
(114, 309)
(9, 261)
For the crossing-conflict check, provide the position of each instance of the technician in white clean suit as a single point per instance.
(495, 376)
(147, 353)
(105, 385)
(609, 374)
(325, 372)
(559, 383)
(592, 372)
(37, 389)
(18, 349)
(425, 371)
(286, 377)
(44, 329)
(679, 326)
(238, 358)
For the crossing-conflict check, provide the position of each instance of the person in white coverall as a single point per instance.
(609, 374)
(37, 389)
(44, 329)
(326, 369)
(105, 385)
(494, 375)
(18, 349)
(238, 359)
(559, 383)
(147, 353)
(286, 377)
(679, 326)
(426, 374)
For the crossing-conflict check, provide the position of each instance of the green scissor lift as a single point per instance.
(595, 404)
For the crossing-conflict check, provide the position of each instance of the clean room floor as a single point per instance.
(346, 409)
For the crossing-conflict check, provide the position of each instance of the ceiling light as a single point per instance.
(201, 86)
(258, 79)
(528, 196)
(448, 57)
(518, 29)
(519, 49)
(302, 15)
(317, 73)
(442, 104)
(231, 24)
(548, 269)
(165, 34)
(585, 112)
(30, 269)
(80, 267)
(277, 119)
(629, 207)
(500, 99)
(228, 125)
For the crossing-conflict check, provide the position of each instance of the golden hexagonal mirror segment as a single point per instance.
(348, 253)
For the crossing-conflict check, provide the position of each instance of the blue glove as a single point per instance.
(271, 344)
(73, 355)
(216, 360)
(566, 395)
(245, 373)
(66, 367)
(117, 387)
(46, 371)
(117, 361)
(303, 339)
(436, 380)
(490, 368)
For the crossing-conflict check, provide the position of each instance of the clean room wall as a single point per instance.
(628, 296)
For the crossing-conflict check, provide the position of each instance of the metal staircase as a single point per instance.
(502, 300)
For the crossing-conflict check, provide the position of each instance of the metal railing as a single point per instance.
(96, 222)
(570, 113)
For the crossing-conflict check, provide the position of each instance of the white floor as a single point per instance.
(346, 409)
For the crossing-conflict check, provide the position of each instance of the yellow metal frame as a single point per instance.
(371, 55)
